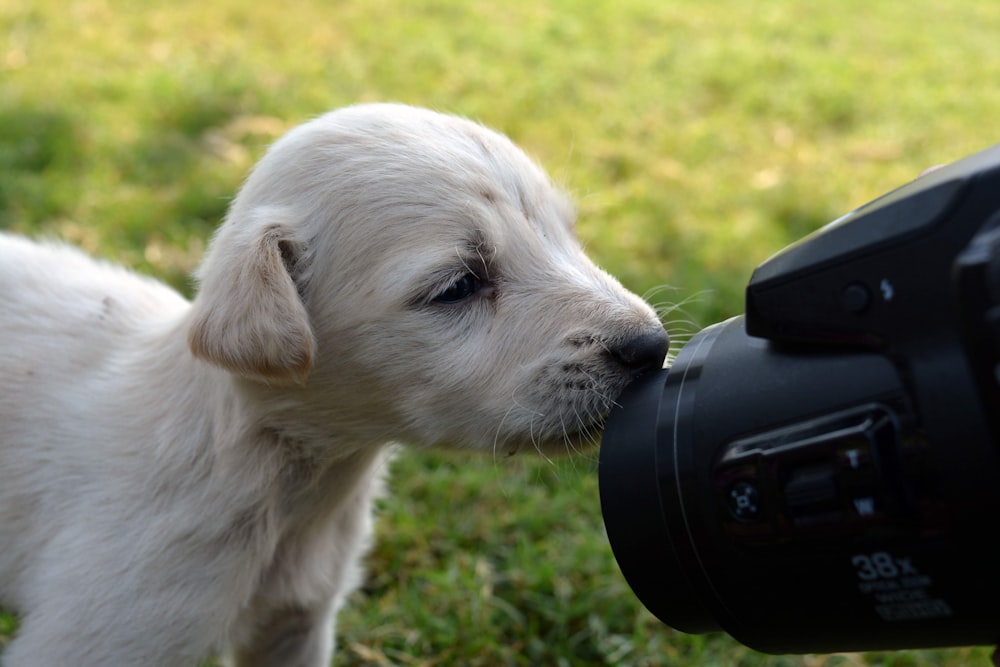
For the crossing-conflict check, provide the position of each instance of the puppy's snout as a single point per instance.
(642, 352)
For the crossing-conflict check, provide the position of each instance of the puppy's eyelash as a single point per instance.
(451, 284)
(460, 289)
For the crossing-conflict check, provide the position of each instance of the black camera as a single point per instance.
(822, 473)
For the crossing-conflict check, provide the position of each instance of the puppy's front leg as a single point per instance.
(288, 637)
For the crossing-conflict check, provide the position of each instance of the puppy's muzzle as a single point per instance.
(643, 352)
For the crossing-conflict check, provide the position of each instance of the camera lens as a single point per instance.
(789, 497)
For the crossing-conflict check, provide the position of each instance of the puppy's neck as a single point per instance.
(276, 488)
(272, 441)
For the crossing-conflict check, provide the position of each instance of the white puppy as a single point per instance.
(178, 479)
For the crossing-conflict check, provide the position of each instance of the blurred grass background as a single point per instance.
(697, 137)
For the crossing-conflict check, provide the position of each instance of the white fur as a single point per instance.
(178, 479)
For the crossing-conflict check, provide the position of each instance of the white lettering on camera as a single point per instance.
(898, 590)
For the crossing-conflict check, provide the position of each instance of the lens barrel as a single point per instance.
(791, 497)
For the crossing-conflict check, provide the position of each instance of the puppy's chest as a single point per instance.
(323, 531)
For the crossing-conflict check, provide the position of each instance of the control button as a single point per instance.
(811, 492)
(743, 500)
(855, 298)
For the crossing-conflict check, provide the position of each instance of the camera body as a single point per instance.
(822, 473)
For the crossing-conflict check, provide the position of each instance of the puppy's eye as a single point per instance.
(462, 288)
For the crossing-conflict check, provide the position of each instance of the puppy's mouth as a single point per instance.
(575, 427)
(573, 438)
(574, 400)
(586, 433)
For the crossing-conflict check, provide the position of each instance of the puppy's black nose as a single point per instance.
(643, 352)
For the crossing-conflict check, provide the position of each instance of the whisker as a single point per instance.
(535, 441)
(657, 290)
(496, 435)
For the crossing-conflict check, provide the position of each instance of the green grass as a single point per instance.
(697, 136)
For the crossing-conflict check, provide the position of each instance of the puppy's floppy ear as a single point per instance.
(248, 316)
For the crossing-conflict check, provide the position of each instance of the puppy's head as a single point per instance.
(408, 275)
